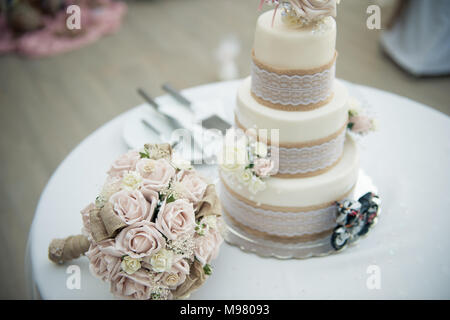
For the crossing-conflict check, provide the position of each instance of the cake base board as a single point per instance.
(234, 235)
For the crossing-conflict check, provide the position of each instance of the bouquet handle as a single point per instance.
(63, 250)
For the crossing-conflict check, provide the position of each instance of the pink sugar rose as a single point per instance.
(156, 174)
(123, 164)
(361, 124)
(176, 218)
(140, 240)
(207, 246)
(131, 205)
(177, 274)
(132, 286)
(194, 186)
(102, 265)
(263, 167)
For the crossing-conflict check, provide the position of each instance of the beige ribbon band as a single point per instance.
(291, 107)
(292, 89)
(282, 239)
(308, 174)
(294, 72)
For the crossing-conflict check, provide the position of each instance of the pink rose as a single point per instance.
(132, 206)
(207, 246)
(108, 247)
(102, 265)
(123, 164)
(361, 124)
(85, 218)
(176, 275)
(156, 174)
(140, 240)
(176, 218)
(132, 286)
(263, 167)
(194, 186)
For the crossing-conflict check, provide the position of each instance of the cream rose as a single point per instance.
(102, 265)
(123, 164)
(194, 186)
(176, 275)
(140, 240)
(136, 286)
(131, 206)
(162, 260)
(176, 218)
(156, 174)
(263, 167)
(207, 246)
(256, 185)
(130, 265)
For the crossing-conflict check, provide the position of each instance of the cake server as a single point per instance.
(174, 122)
(212, 122)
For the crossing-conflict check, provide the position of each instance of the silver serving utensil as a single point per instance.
(158, 133)
(211, 122)
(175, 124)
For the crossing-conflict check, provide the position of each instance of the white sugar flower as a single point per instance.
(245, 176)
(261, 149)
(162, 260)
(131, 181)
(354, 107)
(130, 265)
(256, 185)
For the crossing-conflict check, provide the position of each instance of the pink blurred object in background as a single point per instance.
(54, 38)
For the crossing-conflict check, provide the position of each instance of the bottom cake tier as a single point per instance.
(292, 210)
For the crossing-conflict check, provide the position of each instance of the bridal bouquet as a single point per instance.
(153, 229)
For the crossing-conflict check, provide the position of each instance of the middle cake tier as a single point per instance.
(309, 142)
(303, 208)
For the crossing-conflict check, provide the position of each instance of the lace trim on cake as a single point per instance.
(292, 90)
(284, 224)
(309, 159)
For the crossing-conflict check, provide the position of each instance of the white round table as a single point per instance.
(408, 251)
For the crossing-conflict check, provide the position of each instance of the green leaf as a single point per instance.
(350, 125)
(207, 269)
(170, 198)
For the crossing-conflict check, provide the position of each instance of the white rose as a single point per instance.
(130, 265)
(261, 149)
(131, 181)
(181, 163)
(210, 221)
(162, 260)
(256, 185)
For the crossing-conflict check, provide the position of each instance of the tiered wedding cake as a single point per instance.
(293, 88)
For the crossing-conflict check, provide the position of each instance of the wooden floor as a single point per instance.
(48, 106)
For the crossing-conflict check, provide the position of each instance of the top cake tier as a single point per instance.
(286, 47)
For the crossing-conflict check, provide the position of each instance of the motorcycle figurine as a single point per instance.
(354, 219)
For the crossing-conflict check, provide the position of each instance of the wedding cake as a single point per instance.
(291, 198)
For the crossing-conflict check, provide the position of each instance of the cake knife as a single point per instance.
(211, 122)
(174, 122)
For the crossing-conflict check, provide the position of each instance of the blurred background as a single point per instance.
(50, 103)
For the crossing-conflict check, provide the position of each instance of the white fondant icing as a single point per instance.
(311, 191)
(281, 46)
